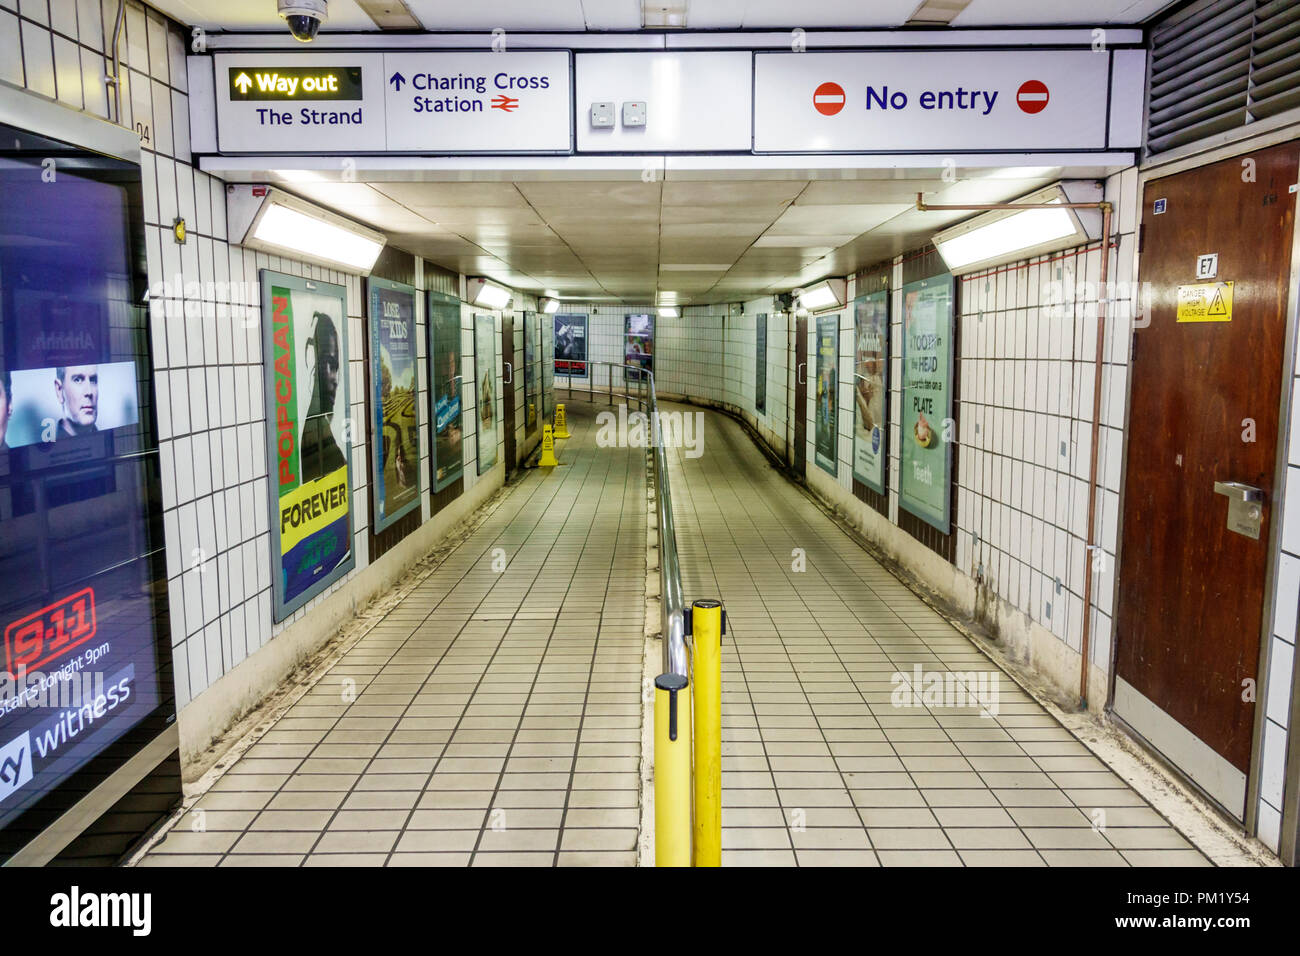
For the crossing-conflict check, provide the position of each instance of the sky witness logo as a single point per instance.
(15, 765)
(76, 909)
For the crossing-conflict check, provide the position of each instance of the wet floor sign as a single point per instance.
(548, 459)
(1205, 302)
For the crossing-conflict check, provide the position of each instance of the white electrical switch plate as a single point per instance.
(602, 114)
(634, 113)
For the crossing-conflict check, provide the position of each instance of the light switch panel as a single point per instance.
(602, 115)
(634, 113)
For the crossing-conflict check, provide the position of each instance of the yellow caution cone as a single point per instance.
(548, 449)
(561, 423)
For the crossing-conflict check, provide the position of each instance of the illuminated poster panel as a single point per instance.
(638, 346)
(308, 439)
(827, 392)
(571, 346)
(871, 389)
(760, 364)
(923, 486)
(445, 389)
(395, 449)
(485, 364)
(532, 343)
(85, 666)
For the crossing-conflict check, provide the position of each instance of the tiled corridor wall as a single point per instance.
(741, 367)
(206, 332)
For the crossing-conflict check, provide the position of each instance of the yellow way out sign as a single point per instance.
(1205, 302)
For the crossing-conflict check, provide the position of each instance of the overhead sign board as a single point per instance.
(355, 103)
(949, 101)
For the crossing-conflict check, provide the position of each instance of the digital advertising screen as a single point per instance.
(445, 382)
(308, 441)
(85, 667)
(395, 448)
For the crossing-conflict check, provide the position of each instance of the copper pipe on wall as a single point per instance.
(1103, 298)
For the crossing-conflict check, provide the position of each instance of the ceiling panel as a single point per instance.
(988, 13)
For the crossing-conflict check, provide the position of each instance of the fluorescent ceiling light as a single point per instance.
(669, 312)
(549, 305)
(827, 294)
(997, 237)
(487, 294)
(286, 225)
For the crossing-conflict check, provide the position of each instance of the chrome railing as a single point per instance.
(672, 611)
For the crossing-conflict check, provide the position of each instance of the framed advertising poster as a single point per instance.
(308, 439)
(531, 356)
(760, 363)
(923, 485)
(447, 458)
(571, 346)
(827, 392)
(638, 346)
(85, 665)
(485, 372)
(871, 390)
(395, 422)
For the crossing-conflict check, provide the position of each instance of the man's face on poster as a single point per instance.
(327, 367)
(78, 392)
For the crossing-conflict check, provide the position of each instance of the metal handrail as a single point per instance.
(672, 610)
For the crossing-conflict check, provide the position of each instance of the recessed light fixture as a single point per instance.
(669, 312)
(549, 305)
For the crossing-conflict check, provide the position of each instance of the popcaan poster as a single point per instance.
(308, 447)
(395, 450)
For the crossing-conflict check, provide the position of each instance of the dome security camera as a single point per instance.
(304, 17)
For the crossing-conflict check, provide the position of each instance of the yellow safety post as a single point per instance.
(561, 423)
(672, 771)
(548, 449)
(706, 667)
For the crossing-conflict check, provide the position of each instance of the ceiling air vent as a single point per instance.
(1219, 65)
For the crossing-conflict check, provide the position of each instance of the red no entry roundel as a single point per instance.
(828, 99)
(1032, 96)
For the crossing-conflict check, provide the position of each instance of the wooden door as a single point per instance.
(1206, 381)
(508, 387)
(800, 412)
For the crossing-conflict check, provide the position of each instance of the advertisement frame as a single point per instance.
(760, 363)
(270, 280)
(884, 296)
(379, 520)
(912, 507)
(630, 338)
(434, 302)
(488, 322)
(575, 318)
(829, 465)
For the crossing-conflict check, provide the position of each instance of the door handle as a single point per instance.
(798, 373)
(1236, 491)
(511, 369)
(1245, 507)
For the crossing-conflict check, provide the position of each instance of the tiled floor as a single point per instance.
(820, 767)
(492, 718)
(495, 715)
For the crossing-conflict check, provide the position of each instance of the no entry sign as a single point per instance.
(828, 98)
(1032, 96)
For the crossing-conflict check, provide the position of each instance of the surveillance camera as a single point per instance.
(304, 17)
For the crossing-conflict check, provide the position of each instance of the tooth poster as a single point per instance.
(485, 366)
(308, 438)
(395, 429)
(927, 430)
(871, 389)
(827, 391)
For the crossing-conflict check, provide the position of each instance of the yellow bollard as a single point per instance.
(548, 449)
(561, 423)
(706, 668)
(672, 771)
